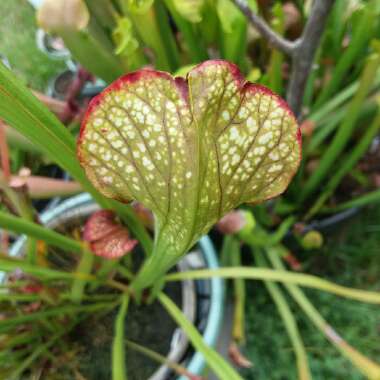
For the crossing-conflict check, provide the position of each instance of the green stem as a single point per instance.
(288, 320)
(79, 283)
(306, 280)
(365, 365)
(238, 326)
(158, 358)
(153, 270)
(119, 371)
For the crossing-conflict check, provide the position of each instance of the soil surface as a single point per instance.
(147, 325)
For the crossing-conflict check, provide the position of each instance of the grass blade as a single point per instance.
(8, 323)
(238, 326)
(8, 264)
(348, 164)
(19, 225)
(358, 42)
(289, 322)
(221, 368)
(364, 200)
(365, 365)
(79, 283)
(345, 130)
(161, 359)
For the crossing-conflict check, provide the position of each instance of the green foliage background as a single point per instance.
(351, 258)
(18, 44)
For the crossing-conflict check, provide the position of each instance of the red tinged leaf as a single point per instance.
(190, 150)
(99, 225)
(107, 237)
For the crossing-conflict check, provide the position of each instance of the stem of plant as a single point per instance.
(302, 51)
(238, 326)
(302, 279)
(119, 371)
(180, 370)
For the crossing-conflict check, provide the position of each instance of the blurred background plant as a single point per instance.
(339, 115)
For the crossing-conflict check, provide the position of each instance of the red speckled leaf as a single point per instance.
(190, 150)
(106, 236)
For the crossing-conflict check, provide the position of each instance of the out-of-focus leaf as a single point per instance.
(137, 6)
(126, 43)
(107, 237)
(56, 15)
(70, 20)
(229, 15)
(191, 10)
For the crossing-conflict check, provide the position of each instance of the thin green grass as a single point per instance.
(351, 258)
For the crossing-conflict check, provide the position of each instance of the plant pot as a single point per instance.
(52, 46)
(202, 301)
(60, 84)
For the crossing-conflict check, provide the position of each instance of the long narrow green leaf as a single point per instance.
(221, 368)
(79, 283)
(289, 322)
(238, 327)
(161, 359)
(119, 371)
(354, 156)
(19, 225)
(40, 349)
(197, 50)
(360, 38)
(369, 368)
(24, 112)
(306, 280)
(364, 200)
(9, 265)
(326, 128)
(345, 130)
(53, 312)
